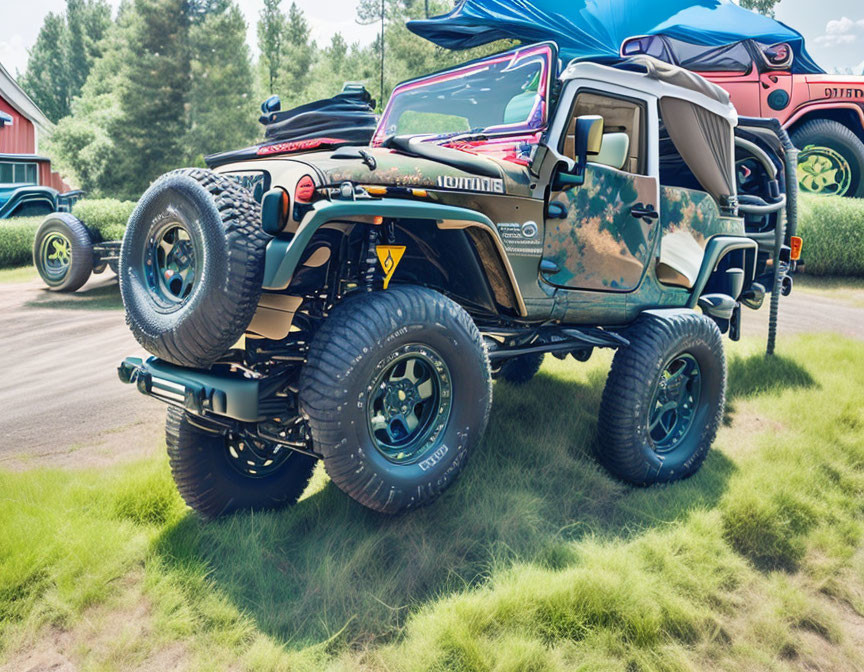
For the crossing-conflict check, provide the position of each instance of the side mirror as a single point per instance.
(778, 56)
(588, 140)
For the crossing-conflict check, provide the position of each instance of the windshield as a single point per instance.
(507, 93)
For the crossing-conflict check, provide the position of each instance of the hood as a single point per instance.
(395, 169)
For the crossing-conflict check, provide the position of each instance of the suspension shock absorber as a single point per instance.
(370, 264)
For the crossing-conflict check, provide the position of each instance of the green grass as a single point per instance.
(18, 275)
(833, 233)
(534, 560)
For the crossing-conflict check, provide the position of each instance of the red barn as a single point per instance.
(22, 125)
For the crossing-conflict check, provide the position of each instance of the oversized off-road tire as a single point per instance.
(218, 474)
(397, 391)
(63, 252)
(520, 370)
(831, 159)
(664, 399)
(191, 266)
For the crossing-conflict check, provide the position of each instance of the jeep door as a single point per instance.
(601, 235)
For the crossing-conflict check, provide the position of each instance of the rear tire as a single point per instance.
(520, 370)
(211, 479)
(63, 253)
(831, 159)
(664, 399)
(191, 266)
(397, 391)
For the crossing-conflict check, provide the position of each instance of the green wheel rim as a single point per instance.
(409, 404)
(674, 404)
(822, 170)
(170, 264)
(55, 256)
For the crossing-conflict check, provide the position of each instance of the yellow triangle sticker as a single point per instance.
(389, 256)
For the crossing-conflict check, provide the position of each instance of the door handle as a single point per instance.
(640, 211)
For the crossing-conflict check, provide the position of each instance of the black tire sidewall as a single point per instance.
(836, 136)
(208, 239)
(467, 387)
(626, 447)
(686, 456)
(80, 255)
(211, 485)
(350, 455)
(223, 222)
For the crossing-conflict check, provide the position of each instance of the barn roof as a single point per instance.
(13, 94)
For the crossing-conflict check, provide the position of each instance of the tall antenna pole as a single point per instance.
(383, 9)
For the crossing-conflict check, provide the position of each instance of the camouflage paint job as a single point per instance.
(586, 294)
(696, 213)
(600, 245)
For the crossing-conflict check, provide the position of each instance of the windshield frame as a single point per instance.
(547, 52)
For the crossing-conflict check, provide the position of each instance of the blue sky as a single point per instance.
(834, 29)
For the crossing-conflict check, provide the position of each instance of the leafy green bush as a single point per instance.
(833, 232)
(107, 215)
(16, 240)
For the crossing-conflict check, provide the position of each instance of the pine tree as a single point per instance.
(221, 107)
(299, 54)
(46, 78)
(65, 50)
(271, 30)
(151, 128)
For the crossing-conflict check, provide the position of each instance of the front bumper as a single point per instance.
(199, 392)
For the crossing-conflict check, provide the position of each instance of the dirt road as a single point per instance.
(61, 403)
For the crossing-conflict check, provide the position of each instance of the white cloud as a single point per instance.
(842, 31)
(13, 54)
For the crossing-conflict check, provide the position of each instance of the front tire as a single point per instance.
(397, 391)
(831, 161)
(217, 474)
(63, 252)
(664, 399)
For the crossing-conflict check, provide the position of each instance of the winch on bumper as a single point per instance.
(200, 392)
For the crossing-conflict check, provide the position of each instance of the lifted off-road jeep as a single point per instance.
(502, 211)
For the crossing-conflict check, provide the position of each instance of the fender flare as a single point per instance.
(28, 194)
(283, 253)
(815, 107)
(716, 249)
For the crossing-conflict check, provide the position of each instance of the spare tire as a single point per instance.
(191, 266)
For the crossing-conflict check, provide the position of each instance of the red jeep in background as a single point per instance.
(824, 114)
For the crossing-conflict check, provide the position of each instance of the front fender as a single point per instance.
(283, 254)
(12, 200)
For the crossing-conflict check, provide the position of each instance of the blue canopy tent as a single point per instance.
(595, 29)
